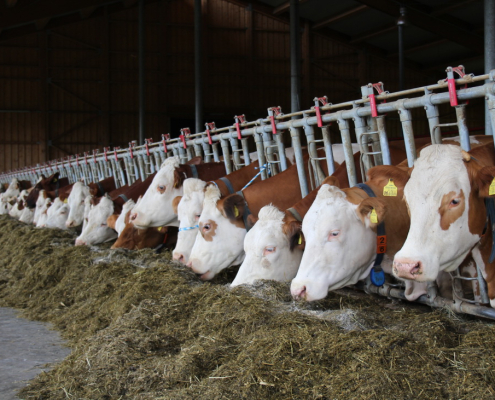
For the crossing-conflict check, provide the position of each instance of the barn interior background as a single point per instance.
(70, 70)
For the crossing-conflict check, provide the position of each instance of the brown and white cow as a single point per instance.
(53, 186)
(223, 223)
(446, 199)
(155, 208)
(189, 206)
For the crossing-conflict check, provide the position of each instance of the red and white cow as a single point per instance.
(57, 215)
(75, 200)
(446, 199)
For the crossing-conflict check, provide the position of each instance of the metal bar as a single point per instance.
(198, 65)
(327, 142)
(295, 55)
(296, 144)
(141, 44)
(380, 125)
(489, 44)
(460, 112)
(348, 154)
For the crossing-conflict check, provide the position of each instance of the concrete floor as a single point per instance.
(25, 349)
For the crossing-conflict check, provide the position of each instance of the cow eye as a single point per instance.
(197, 216)
(454, 203)
(103, 224)
(269, 250)
(333, 235)
(206, 227)
(161, 188)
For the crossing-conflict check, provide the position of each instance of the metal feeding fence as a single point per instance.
(368, 119)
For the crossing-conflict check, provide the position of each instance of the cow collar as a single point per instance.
(188, 228)
(101, 188)
(246, 212)
(377, 275)
(194, 170)
(225, 180)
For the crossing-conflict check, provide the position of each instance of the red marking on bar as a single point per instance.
(318, 117)
(238, 128)
(183, 141)
(274, 127)
(452, 92)
(374, 112)
(209, 137)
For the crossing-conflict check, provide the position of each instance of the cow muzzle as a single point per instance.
(298, 292)
(406, 268)
(179, 257)
(80, 242)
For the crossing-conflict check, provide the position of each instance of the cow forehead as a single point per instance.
(329, 212)
(266, 233)
(166, 172)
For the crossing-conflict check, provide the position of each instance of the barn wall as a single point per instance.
(74, 88)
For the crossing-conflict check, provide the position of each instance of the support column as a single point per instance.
(198, 81)
(489, 51)
(295, 56)
(401, 22)
(141, 41)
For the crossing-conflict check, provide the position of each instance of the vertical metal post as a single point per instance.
(460, 111)
(258, 139)
(382, 133)
(295, 55)
(226, 155)
(198, 65)
(348, 153)
(245, 151)
(400, 27)
(141, 41)
(296, 143)
(407, 130)
(327, 142)
(489, 52)
(281, 151)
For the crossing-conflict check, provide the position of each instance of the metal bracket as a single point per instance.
(239, 119)
(324, 101)
(165, 137)
(131, 145)
(274, 112)
(184, 133)
(147, 142)
(210, 126)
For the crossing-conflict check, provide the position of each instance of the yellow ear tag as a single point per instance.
(390, 189)
(491, 191)
(66, 200)
(300, 240)
(373, 217)
(55, 180)
(236, 211)
(159, 229)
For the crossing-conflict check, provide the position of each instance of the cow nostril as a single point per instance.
(416, 269)
(189, 264)
(181, 259)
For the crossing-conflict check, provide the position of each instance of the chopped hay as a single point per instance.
(143, 327)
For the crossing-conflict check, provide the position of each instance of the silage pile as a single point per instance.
(142, 327)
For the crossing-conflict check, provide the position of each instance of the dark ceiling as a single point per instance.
(438, 33)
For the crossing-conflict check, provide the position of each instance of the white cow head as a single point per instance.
(40, 203)
(87, 208)
(272, 249)
(76, 199)
(16, 210)
(120, 222)
(27, 215)
(445, 197)
(43, 212)
(12, 191)
(57, 215)
(5, 207)
(96, 230)
(155, 208)
(219, 242)
(340, 246)
(188, 210)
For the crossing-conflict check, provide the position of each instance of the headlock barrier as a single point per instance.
(232, 145)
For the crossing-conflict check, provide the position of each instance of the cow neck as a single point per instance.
(490, 220)
(377, 275)
(247, 211)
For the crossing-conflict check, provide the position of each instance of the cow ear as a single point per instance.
(484, 181)
(179, 177)
(293, 232)
(371, 211)
(232, 207)
(250, 221)
(195, 161)
(175, 203)
(93, 189)
(331, 180)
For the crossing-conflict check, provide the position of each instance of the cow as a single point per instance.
(120, 219)
(96, 229)
(75, 200)
(39, 205)
(223, 222)
(98, 189)
(446, 197)
(16, 210)
(189, 206)
(5, 207)
(58, 214)
(46, 203)
(155, 208)
(53, 186)
(12, 191)
(27, 215)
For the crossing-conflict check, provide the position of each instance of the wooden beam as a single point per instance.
(285, 7)
(420, 47)
(431, 24)
(452, 5)
(340, 17)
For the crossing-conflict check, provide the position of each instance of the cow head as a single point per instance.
(12, 191)
(273, 248)
(75, 201)
(42, 184)
(188, 209)
(27, 215)
(57, 215)
(43, 212)
(96, 230)
(220, 240)
(123, 218)
(155, 208)
(40, 202)
(445, 197)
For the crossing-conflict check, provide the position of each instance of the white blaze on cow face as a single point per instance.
(438, 196)
(340, 246)
(120, 222)
(189, 211)
(43, 213)
(96, 230)
(27, 215)
(155, 208)
(219, 242)
(268, 252)
(76, 198)
(57, 215)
